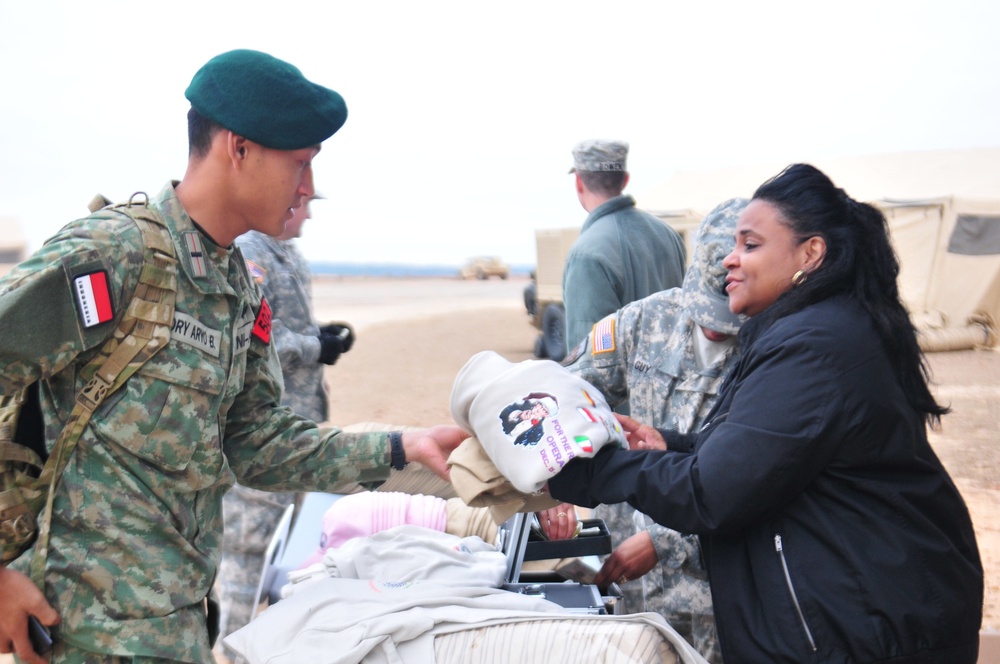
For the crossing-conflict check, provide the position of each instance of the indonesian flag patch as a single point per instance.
(262, 326)
(93, 298)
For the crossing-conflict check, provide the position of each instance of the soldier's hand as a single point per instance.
(633, 558)
(342, 330)
(330, 347)
(21, 598)
(432, 447)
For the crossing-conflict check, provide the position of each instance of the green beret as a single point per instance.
(265, 100)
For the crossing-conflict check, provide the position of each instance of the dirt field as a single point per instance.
(401, 371)
(414, 336)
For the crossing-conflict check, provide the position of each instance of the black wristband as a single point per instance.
(397, 456)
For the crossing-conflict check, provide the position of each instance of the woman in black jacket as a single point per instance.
(830, 529)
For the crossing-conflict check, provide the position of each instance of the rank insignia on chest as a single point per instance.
(93, 298)
(196, 253)
(262, 325)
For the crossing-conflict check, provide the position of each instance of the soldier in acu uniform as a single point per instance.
(304, 349)
(137, 518)
(668, 354)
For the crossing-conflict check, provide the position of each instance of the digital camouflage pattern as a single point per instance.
(251, 516)
(654, 366)
(284, 277)
(137, 520)
(598, 155)
(704, 286)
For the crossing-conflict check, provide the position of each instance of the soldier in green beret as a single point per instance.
(137, 516)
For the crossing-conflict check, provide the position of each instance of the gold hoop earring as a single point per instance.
(799, 278)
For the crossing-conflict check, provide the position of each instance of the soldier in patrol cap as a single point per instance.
(600, 156)
(668, 354)
(623, 254)
(137, 515)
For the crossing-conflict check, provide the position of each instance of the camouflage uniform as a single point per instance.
(251, 516)
(283, 274)
(137, 519)
(650, 360)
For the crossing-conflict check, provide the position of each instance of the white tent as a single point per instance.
(943, 208)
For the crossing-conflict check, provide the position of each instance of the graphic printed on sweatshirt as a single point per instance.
(534, 418)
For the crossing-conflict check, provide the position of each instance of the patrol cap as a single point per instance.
(705, 297)
(598, 155)
(266, 100)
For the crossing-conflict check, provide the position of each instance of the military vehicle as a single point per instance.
(543, 296)
(484, 267)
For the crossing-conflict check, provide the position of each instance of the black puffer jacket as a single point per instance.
(830, 529)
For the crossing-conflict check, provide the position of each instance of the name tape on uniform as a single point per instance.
(241, 338)
(190, 331)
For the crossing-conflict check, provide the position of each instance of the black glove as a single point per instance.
(330, 347)
(342, 330)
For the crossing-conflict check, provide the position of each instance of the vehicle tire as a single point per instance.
(540, 347)
(530, 301)
(554, 332)
(481, 275)
(504, 275)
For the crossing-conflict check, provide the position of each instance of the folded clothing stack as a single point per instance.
(531, 417)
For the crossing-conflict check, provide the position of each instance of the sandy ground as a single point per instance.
(414, 336)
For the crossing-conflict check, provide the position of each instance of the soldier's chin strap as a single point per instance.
(144, 329)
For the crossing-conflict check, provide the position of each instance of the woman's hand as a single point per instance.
(633, 558)
(558, 523)
(641, 436)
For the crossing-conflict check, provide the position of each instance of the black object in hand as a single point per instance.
(330, 347)
(38, 634)
(342, 330)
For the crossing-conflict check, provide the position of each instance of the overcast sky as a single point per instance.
(462, 114)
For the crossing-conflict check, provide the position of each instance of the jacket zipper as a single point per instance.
(791, 591)
(707, 425)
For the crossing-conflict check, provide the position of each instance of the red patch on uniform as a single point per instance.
(93, 298)
(262, 326)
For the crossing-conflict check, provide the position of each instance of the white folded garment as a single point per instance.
(409, 553)
(531, 417)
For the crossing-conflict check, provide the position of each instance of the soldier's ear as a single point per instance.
(237, 148)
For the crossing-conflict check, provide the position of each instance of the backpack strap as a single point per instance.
(143, 330)
(20, 499)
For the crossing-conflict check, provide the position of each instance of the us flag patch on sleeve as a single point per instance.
(604, 336)
(93, 298)
(256, 271)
